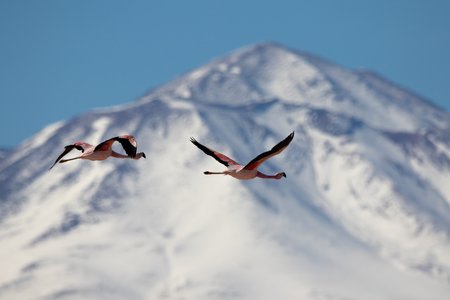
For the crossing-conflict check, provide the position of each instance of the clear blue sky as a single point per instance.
(60, 58)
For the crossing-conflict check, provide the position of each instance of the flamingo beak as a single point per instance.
(284, 175)
(143, 155)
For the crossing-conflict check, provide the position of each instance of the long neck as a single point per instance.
(118, 155)
(262, 175)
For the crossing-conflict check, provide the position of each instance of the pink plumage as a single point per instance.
(103, 150)
(249, 171)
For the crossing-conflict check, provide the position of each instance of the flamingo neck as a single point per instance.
(118, 155)
(276, 176)
(139, 155)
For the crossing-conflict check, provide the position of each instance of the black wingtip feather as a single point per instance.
(130, 149)
(208, 151)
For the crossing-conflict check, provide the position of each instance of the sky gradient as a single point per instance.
(59, 58)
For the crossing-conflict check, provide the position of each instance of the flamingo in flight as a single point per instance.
(103, 150)
(249, 171)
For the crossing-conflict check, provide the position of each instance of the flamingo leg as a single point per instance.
(214, 173)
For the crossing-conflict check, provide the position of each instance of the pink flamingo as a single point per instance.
(103, 150)
(249, 171)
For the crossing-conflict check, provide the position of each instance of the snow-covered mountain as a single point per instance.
(364, 212)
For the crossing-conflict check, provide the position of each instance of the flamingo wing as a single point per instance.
(223, 159)
(128, 144)
(105, 145)
(79, 146)
(277, 149)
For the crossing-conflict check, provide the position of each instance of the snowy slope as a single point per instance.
(363, 213)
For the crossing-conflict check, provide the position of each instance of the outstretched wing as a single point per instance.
(128, 143)
(257, 161)
(223, 159)
(67, 149)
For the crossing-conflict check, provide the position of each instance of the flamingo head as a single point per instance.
(139, 155)
(281, 174)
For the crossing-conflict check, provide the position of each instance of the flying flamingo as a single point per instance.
(249, 171)
(103, 150)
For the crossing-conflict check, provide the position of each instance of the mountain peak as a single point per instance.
(268, 71)
(248, 75)
(266, 48)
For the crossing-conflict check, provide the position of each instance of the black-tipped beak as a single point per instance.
(284, 175)
(143, 155)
